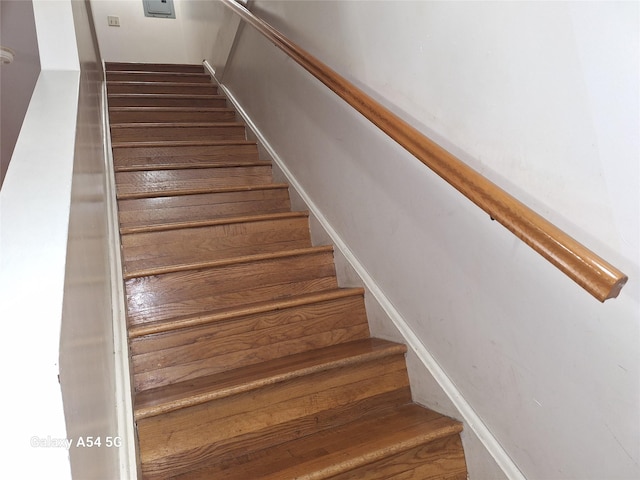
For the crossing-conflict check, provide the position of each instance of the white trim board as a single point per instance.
(128, 454)
(35, 201)
(469, 416)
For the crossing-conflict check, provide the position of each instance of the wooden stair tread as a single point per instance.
(153, 67)
(335, 451)
(181, 395)
(183, 143)
(133, 75)
(161, 88)
(186, 321)
(191, 153)
(171, 109)
(248, 361)
(178, 166)
(175, 125)
(295, 252)
(186, 143)
(132, 115)
(161, 248)
(231, 220)
(146, 183)
(204, 288)
(176, 131)
(161, 210)
(200, 96)
(158, 83)
(197, 191)
(253, 337)
(159, 73)
(159, 227)
(214, 221)
(224, 262)
(165, 99)
(233, 426)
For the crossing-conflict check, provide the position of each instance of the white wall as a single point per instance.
(92, 386)
(56, 35)
(57, 360)
(186, 39)
(542, 97)
(34, 211)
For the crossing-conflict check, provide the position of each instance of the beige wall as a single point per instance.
(186, 39)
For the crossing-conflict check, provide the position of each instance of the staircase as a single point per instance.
(248, 360)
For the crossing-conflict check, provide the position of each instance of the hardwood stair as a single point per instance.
(248, 359)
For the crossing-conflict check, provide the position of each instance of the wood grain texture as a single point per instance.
(248, 360)
(199, 190)
(177, 356)
(142, 87)
(328, 453)
(146, 76)
(201, 163)
(158, 249)
(170, 114)
(158, 181)
(163, 100)
(149, 132)
(234, 380)
(179, 294)
(287, 404)
(153, 67)
(441, 459)
(591, 272)
(142, 212)
(205, 318)
(166, 153)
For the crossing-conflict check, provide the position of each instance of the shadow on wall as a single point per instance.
(18, 78)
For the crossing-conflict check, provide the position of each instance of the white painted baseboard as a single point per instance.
(128, 456)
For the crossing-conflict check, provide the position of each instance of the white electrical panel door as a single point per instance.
(159, 8)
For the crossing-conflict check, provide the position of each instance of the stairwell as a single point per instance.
(248, 360)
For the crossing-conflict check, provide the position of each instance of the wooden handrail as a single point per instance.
(591, 272)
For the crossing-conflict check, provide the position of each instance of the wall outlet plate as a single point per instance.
(113, 21)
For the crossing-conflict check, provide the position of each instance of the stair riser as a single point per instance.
(162, 297)
(161, 359)
(158, 77)
(144, 251)
(158, 181)
(189, 155)
(165, 101)
(150, 88)
(294, 406)
(163, 210)
(153, 67)
(175, 132)
(169, 116)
